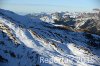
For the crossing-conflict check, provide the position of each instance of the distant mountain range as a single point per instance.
(85, 22)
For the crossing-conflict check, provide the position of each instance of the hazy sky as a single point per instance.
(48, 5)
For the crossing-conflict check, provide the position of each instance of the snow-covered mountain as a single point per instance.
(88, 22)
(26, 41)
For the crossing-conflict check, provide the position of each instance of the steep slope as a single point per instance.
(35, 39)
(91, 26)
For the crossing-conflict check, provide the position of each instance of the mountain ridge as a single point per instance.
(45, 40)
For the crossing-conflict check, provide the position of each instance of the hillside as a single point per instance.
(24, 41)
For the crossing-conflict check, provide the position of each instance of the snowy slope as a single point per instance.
(33, 39)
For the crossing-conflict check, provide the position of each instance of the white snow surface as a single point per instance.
(39, 39)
